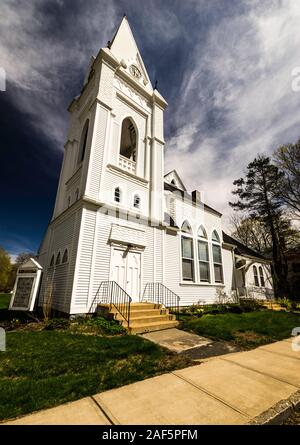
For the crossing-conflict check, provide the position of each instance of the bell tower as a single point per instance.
(114, 154)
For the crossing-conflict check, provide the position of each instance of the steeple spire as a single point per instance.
(123, 46)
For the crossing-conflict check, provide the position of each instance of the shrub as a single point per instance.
(55, 324)
(108, 326)
(284, 302)
(290, 305)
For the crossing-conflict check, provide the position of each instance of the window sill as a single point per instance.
(132, 176)
(192, 283)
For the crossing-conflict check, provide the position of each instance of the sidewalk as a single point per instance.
(230, 389)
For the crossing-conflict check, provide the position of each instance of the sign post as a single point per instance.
(26, 286)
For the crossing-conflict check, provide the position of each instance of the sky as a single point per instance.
(226, 68)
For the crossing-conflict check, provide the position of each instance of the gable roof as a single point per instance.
(188, 197)
(174, 176)
(242, 249)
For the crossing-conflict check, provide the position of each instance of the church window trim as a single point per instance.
(217, 258)
(83, 142)
(52, 260)
(65, 258)
(118, 195)
(187, 253)
(128, 145)
(261, 276)
(58, 259)
(255, 276)
(137, 201)
(203, 255)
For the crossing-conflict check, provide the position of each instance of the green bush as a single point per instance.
(55, 324)
(108, 326)
(290, 305)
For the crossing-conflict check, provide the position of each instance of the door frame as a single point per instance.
(133, 249)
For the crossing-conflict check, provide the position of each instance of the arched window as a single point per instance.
(65, 256)
(69, 201)
(203, 255)
(186, 228)
(83, 141)
(217, 257)
(128, 147)
(202, 232)
(117, 195)
(52, 261)
(215, 237)
(76, 194)
(261, 276)
(57, 259)
(255, 274)
(136, 202)
(187, 252)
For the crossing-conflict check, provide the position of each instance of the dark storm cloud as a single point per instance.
(223, 66)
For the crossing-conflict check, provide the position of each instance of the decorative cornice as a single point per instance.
(131, 93)
(127, 175)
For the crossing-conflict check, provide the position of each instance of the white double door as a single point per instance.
(126, 271)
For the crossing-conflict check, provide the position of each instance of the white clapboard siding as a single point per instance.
(57, 281)
(84, 259)
(96, 152)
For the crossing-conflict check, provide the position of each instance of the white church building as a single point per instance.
(119, 221)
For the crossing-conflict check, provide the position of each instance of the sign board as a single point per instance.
(27, 286)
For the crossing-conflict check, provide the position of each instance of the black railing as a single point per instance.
(160, 294)
(110, 293)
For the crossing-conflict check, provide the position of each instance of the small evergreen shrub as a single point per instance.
(56, 324)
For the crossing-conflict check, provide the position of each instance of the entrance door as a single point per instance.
(133, 275)
(119, 268)
(126, 271)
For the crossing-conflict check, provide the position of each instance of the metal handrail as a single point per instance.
(109, 292)
(161, 294)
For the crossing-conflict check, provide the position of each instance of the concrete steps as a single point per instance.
(151, 327)
(144, 317)
(273, 305)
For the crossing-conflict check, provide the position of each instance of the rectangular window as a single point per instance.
(262, 278)
(217, 259)
(256, 282)
(187, 259)
(203, 261)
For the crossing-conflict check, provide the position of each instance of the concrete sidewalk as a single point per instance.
(230, 389)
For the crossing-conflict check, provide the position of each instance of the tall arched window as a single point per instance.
(57, 262)
(217, 257)
(187, 252)
(256, 282)
(117, 195)
(52, 261)
(128, 146)
(65, 257)
(261, 276)
(203, 255)
(83, 141)
(128, 140)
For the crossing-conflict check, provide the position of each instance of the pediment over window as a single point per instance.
(174, 179)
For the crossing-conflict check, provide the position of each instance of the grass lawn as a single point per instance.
(248, 330)
(4, 300)
(47, 368)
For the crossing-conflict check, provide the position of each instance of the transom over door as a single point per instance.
(126, 271)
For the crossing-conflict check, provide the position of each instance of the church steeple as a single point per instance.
(123, 46)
